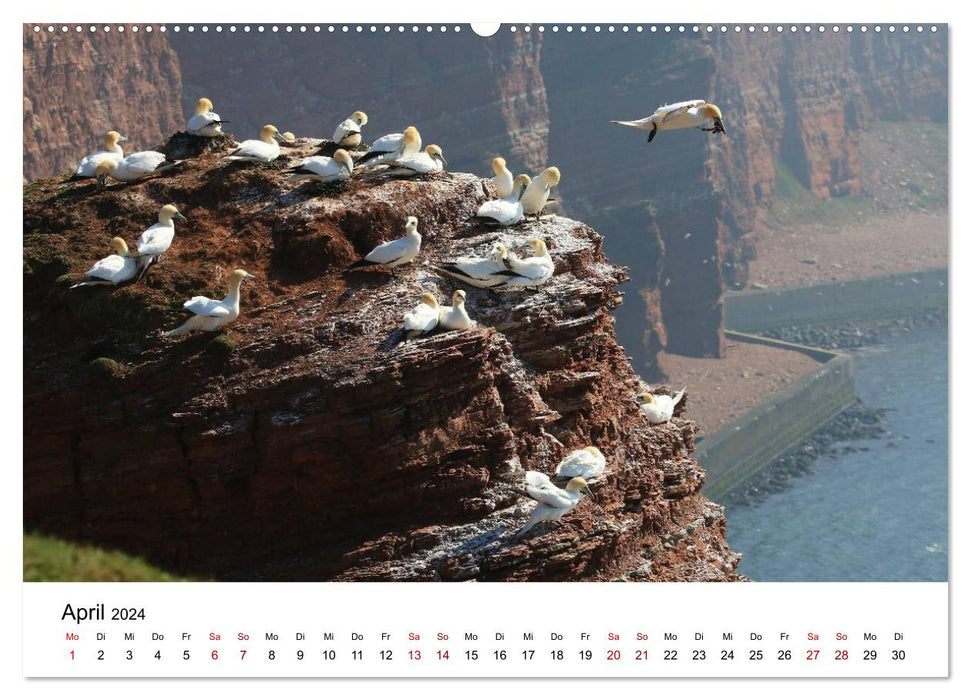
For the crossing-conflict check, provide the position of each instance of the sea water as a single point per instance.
(878, 514)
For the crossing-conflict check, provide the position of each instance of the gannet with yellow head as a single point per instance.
(133, 167)
(502, 177)
(531, 271)
(205, 122)
(423, 318)
(262, 150)
(588, 463)
(553, 502)
(111, 149)
(112, 270)
(392, 147)
(431, 160)
(534, 199)
(479, 272)
(680, 115)
(397, 252)
(455, 317)
(156, 239)
(210, 314)
(658, 408)
(324, 169)
(348, 132)
(507, 211)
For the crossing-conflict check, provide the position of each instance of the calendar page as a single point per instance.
(436, 350)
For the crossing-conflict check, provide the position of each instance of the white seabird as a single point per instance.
(588, 463)
(431, 160)
(112, 270)
(132, 167)
(205, 122)
(659, 408)
(554, 502)
(507, 211)
(680, 115)
(348, 132)
(324, 169)
(532, 271)
(397, 252)
(535, 196)
(455, 317)
(423, 318)
(156, 239)
(480, 272)
(88, 164)
(502, 178)
(262, 150)
(392, 147)
(210, 314)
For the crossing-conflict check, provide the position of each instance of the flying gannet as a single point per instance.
(680, 115)
(535, 196)
(397, 252)
(205, 122)
(508, 211)
(502, 178)
(659, 408)
(348, 132)
(532, 271)
(553, 502)
(88, 164)
(423, 318)
(156, 239)
(112, 270)
(132, 167)
(262, 150)
(480, 272)
(455, 317)
(210, 314)
(588, 463)
(392, 147)
(324, 169)
(431, 160)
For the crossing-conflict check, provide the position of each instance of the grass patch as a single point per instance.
(104, 367)
(793, 202)
(50, 559)
(221, 346)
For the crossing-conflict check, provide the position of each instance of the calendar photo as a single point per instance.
(614, 303)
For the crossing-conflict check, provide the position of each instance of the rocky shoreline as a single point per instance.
(852, 335)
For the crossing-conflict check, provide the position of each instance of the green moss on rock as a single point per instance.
(105, 367)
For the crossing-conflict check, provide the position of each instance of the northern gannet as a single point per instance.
(392, 147)
(532, 271)
(210, 314)
(112, 270)
(88, 164)
(132, 167)
(455, 317)
(324, 169)
(397, 252)
(431, 160)
(205, 122)
(660, 408)
(502, 177)
(261, 150)
(289, 136)
(348, 132)
(423, 318)
(588, 463)
(156, 239)
(480, 272)
(508, 211)
(554, 502)
(535, 196)
(680, 115)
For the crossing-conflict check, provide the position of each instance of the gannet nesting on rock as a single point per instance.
(659, 408)
(455, 317)
(392, 147)
(535, 196)
(423, 318)
(508, 211)
(205, 122)
(532, 271)
(112, 270)
(348, 132)
(289, 136)
(324, 169)
(554, 502)
(262, 150)
(210, 314)
(479, 272)
(431, 160)
(502, 178)
(588, 463)
(398, 252)
(90, 162)
(132, 167)
(156, 239)
(680, 115)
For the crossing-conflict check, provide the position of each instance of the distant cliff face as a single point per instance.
(77, 86)
(318, 448)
